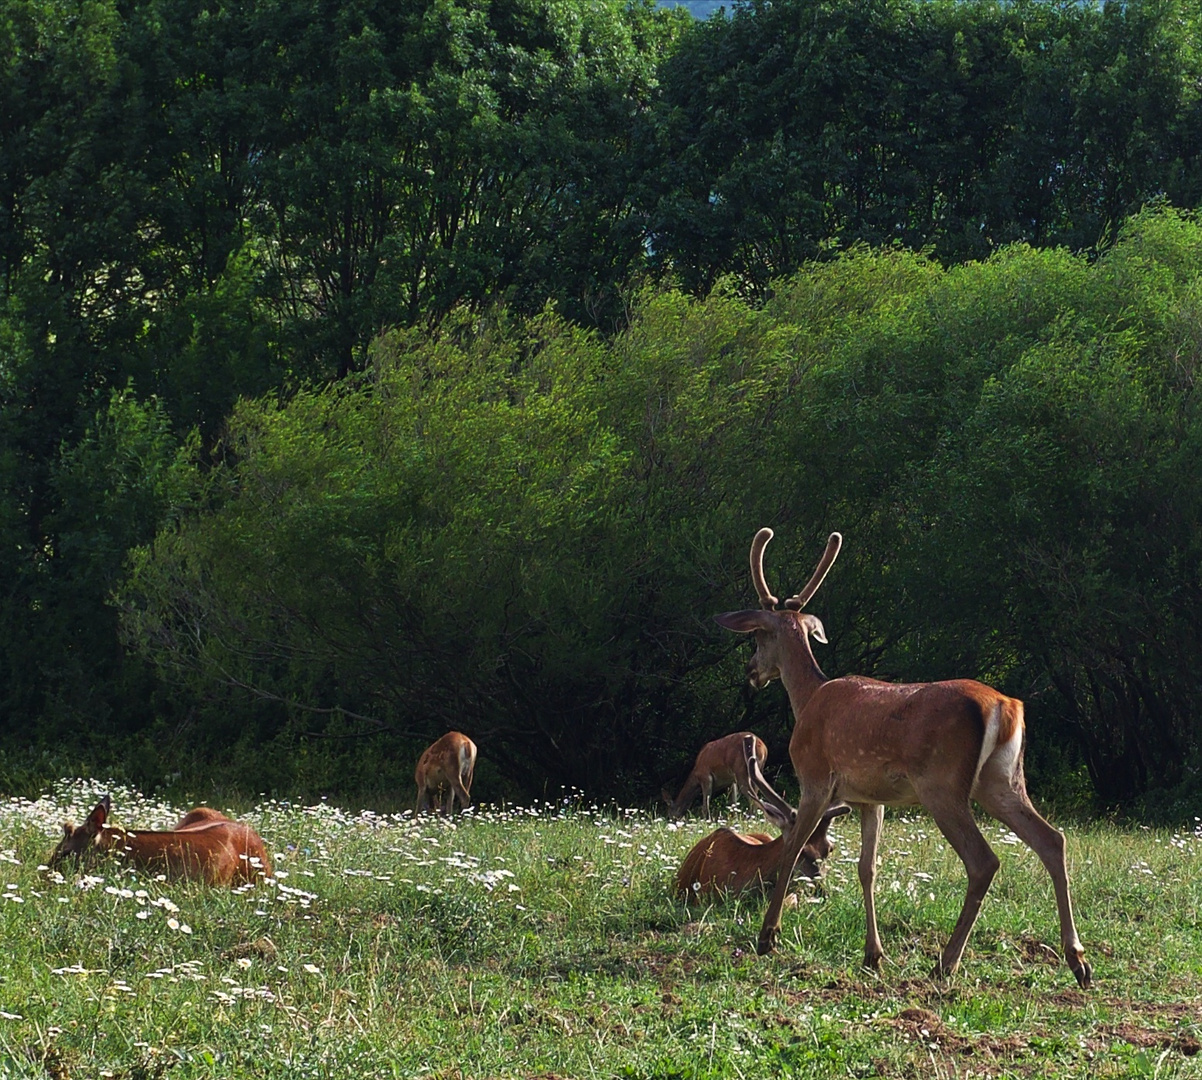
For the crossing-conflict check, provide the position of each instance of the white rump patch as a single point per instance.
(1005, 757)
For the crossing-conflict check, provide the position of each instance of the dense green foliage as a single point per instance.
(796, 126)
(544, 941)
(524, 531)
(201, 200)
(371, 368)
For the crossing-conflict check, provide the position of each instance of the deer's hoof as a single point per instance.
(767, 943)
(1084, 974)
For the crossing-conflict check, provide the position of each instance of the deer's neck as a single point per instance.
(110, 837)
(136, 842)
(800, 674)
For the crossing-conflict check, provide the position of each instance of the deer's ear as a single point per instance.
(98, 816)
(814, 627)
(743, 622)
(778, 818)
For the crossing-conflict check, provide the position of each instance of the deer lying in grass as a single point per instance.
(732, 862)
(205, 845)
(199, 816)
(720, 765)
(875, 744)
(446, 766)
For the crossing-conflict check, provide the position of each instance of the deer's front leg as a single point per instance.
(808, 816)
(871, 818)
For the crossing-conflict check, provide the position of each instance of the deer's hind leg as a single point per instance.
(458, 791)
(1006, 799)
(953, 815)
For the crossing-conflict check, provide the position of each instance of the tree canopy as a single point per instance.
(368, 369)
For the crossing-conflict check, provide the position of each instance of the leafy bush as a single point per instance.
(520, 530)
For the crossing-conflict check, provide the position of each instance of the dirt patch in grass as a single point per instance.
(1183, 1042)
(923, 1026)
(1034, 951)
(1158, 1026)
(1186, 1012)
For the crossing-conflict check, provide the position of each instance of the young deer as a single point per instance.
(720, 765)
(446, 765)
(875, 744)
(205, 845)
(732, 862)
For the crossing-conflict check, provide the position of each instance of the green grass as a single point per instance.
(547, 944)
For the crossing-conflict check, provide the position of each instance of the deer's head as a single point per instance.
(80, 840)
(778, 629)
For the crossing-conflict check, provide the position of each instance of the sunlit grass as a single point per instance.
(544, 940)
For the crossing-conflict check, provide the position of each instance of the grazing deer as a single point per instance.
(731, 862)
(720, 765)
(205, 845)
(446, 765)
(875, 744)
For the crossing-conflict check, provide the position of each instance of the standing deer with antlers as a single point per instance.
(875, 744)
(732, 862)
(720, 765)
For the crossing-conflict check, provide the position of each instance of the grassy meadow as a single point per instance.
(544, 942)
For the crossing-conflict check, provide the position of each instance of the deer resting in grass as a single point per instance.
(446, 766)
(720, 765)
(205, 845)
(875, 744)
(198, 817)
(732, 862)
